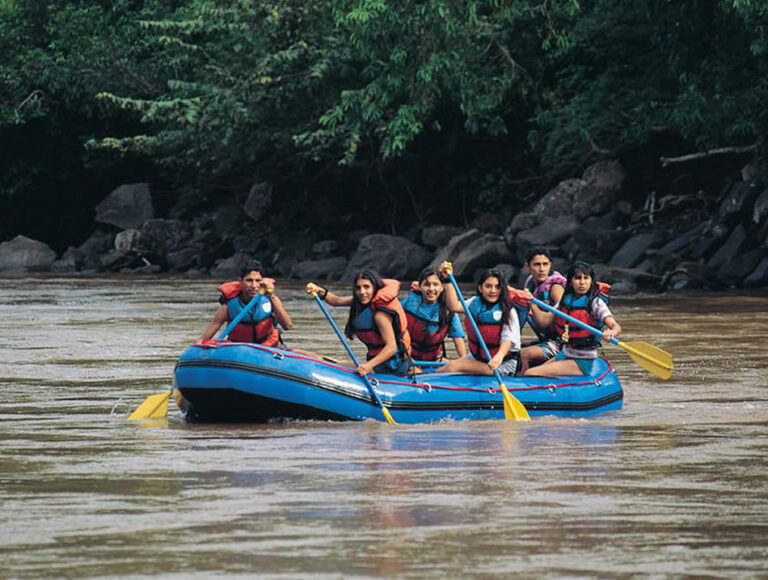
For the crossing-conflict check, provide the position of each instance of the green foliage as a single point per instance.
(428, 108)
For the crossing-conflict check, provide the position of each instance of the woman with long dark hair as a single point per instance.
(430, 321)
(377, 318)
(585, 299)
(498, 323)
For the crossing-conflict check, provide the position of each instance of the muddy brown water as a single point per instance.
(673, 484)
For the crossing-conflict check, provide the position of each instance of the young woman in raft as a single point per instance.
(260, 325)
(547, 286)
(429, 319)
(497, 321)
(584, 299)
(377, 318)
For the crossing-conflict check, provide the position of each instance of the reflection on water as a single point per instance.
(673, 484)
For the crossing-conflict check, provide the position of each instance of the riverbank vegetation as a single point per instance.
(367, 114)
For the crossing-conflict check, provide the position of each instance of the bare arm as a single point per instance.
(328, 296)
(219, 318)
(498, 358)
(280, 313)
(384, 324)
(451, 298)
(612, 328)
(461, 347)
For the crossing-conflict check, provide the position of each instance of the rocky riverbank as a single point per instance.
(676, 242)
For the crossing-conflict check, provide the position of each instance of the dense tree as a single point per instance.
(401, 110)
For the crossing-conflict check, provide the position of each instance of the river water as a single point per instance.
(674, 484)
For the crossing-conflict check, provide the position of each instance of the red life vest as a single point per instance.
(426, 344)
(489, 320)
(579, 308)
(258, 325)
(385, 300)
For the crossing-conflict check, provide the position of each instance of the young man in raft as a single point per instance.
(260, 324)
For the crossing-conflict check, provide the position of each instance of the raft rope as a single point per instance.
(426, 386)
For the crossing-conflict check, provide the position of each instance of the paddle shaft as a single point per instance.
(480, 339)
(351, 354)
(575, 321)
(239, 317)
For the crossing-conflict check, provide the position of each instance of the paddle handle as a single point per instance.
(471, 319)
(239, 317)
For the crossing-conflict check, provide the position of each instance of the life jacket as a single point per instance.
(258, 325)
(385, 300)
(542, 292)
(489, 320)
(427, 336)
(573, 335)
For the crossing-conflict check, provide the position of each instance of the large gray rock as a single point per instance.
(737, 202)
(160, 236)
(70, 261)
(325, 269)
(758, 278)
(548, 233)
(632, 250)
(127, 240)
(128, 206)
(471, 251)
(730, 249)
(391, 256)
(735, 271)
(98, 244)
(23, 254)
(592, 194)
(259, 201)
(437, 236)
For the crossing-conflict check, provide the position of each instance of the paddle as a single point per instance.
(651, 358)
(351, 354)
(156, 406)
(513, 409)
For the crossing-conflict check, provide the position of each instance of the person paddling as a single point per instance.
(497, 322)
(429, 319)
(547, 286)
(586, 300)
(260, 324)
(377, 318)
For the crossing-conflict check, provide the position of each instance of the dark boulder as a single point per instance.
(23, 254)
(471, 251)
(128, 206)
(325, 269)
(391, 256)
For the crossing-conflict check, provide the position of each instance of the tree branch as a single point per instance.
(706, 154)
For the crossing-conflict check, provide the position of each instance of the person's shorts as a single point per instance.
(394, 366)
(585, 364)
(506, 369)
(549, 348)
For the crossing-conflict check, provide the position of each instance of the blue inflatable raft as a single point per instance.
(231, 381)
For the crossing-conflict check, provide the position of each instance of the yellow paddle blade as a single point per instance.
(513, 409)
(387, 415)
(153, 407)
(651, 358)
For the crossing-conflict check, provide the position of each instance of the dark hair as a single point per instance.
(251, 266)
(537, 251)
(356, 308)
(504, 302)
(444, 316)
(580, 267)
